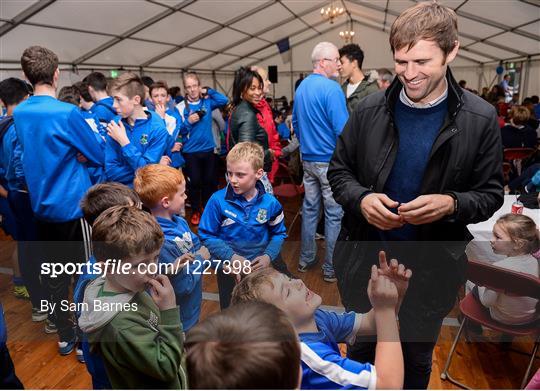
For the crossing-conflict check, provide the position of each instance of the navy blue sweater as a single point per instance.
(418, 129)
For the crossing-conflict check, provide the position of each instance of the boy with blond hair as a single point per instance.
(162, 189)
(138, 334)
(139, 138)
(242, 223)
(320, 331)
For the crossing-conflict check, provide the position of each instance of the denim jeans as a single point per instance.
(316, 186)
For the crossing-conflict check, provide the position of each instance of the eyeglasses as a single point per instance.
(335, 60)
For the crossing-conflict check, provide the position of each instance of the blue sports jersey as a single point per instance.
(10, 156)
(323, 367)
(230, 224)
(148, 142)
(97, 174)
(51, 133)
(179, 240)
(199, 136)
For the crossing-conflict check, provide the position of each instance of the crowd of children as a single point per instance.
(94, 178)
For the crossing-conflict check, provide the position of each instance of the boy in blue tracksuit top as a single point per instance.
(198, 149)
(159, 95)
(242, 223)
(140, 138)
(162, 190)
(52, 134)
(103, 103)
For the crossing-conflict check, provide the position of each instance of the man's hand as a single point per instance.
(177, 147)
(160, 110)
(260, 262)
(162, 292)
(165, 160)
(427, 208)
(375, 206)
(382, 292)
(204, 253)
(117, 132)
(397, 273)
(193, 118)
(3, 192)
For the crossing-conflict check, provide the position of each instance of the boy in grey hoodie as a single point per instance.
(139, 335)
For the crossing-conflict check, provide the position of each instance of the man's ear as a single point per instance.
(56, 77)
(453, 53)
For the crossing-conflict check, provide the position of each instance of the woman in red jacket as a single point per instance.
(266, 120)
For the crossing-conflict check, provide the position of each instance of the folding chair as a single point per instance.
(503, 281)
(289, 191)
(516, 155)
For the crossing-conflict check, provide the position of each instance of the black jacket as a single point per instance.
(245, 127)
(465, 161)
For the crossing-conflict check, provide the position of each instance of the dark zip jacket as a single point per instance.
(465, 162)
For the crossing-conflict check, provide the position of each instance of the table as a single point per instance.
(479, 248)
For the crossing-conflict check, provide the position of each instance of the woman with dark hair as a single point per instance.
(244, 126)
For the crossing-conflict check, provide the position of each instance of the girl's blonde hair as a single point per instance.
(521, 228)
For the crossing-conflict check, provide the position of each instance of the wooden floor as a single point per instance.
(482, 365)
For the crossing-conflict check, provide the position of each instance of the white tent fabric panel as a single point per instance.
(11, 8)
(266, 17)
(112, 17)
(224, 10)
(167, 29)
(521, 43)
(498, 11)
(219, 39)
(127, 52)
(181, 58)
(67, 45)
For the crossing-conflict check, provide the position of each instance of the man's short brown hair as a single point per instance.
(158, 84)
(103, 196)
(249, 288)
(155, 181)
(70, 94)
(249, 152)
(247, 346)
(128, 84)
(425, 21)
(123, 232)
(39, 64)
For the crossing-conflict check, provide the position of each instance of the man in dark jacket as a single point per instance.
(414, 165)
(357, 84)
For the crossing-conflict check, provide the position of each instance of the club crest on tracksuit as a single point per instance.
(144, 139)
(262, 216)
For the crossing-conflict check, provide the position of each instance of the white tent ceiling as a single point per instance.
(223, 34)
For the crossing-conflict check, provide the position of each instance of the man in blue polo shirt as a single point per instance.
(319, 114)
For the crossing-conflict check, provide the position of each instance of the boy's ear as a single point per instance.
(137, 99)
(259, 173)
(165, 202)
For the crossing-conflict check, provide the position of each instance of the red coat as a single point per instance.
(266, 120)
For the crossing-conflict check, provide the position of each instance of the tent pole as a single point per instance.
(525, 80)
(292, 79)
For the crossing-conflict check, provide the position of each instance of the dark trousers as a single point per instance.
(26, 236)
(430, 297)
(61, 243)
(201, 171)
(8, 378)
